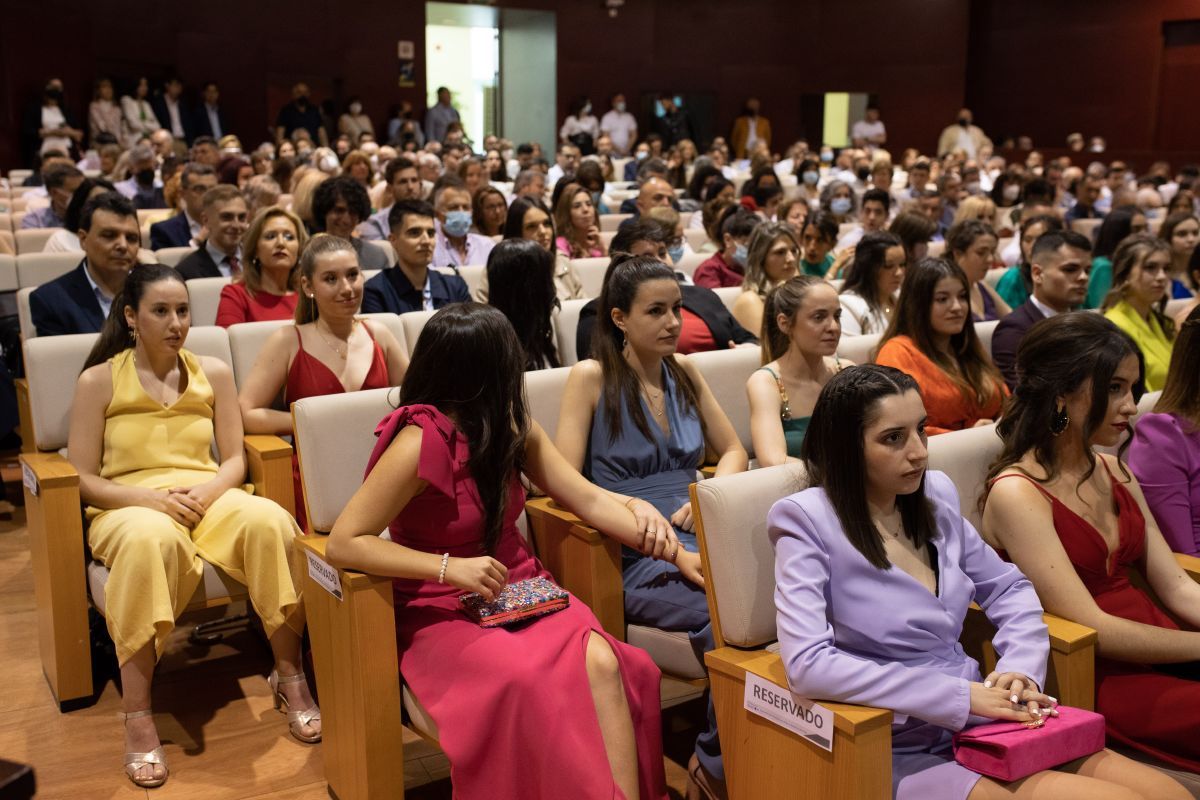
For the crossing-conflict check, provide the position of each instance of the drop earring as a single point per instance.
(1059, 422)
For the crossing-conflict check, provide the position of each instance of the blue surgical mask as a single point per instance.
(457, 223)
(640, 155)
(840, 205)
(739, 255)
(826, 156)
(811, 178)
(676, 253)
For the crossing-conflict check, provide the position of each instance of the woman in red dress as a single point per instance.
(266, 288)
(329, 349)
(1076, 528)
(551, 708)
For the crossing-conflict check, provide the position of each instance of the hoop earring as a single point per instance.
(624, 342)
(1059, 422)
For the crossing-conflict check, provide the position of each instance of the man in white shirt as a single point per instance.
(870, 132)
(455, 245)
(620, 125)
(567, 163)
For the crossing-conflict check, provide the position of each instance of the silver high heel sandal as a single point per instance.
(296, 719)
(135, 761)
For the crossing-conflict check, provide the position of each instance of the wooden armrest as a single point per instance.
(1190, 564)
(357, 671)
(55, 524)
(708, 470)
(584, 561)
(269, 462)
(24, 415)
(1069, 637)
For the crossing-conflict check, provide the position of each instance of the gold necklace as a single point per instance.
(650, 399)
(896, 534)
(164, 386)
(340, 354)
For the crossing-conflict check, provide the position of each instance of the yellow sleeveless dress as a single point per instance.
(154, 562)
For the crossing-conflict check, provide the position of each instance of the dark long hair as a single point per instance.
(521, 284)
(971, 369)
(1113, 230)
(115, 335)
(514, 223)
(625, 275)
(467, 364)
(1055, 358)
(79, 199)
(1181, 394)
(870, 256)
(834, 455)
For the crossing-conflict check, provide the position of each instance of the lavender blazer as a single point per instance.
(853, 633)
(1165, 458)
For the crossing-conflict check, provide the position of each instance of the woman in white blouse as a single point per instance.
(580, 120)
(872, 281)
(139, 119)
(104, 115)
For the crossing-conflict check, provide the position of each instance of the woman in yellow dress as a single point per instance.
(145, 416)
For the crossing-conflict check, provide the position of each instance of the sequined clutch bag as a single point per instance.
(520, 601)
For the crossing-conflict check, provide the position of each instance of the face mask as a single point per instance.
(1011, 193)
(620, 107)
(740, 254)
(863, 174)
(972, 187)
(586, 110)
(641, 155)
(145, 176)
(963, 121)
(826, 156)
(457, 223)
(676, 253)
(840, 205)
(811, 178)
(329, 163)
(356, 108)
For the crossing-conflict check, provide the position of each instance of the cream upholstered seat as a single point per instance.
(8, 273)
(171, 256)
(566, 327)
(859, 349)
(33, 240)
(472, 274)
(984, 332)
(965, 456)
(729, 296)
(385, 246)
(246, 340)
(591, 274)
(413, 322)
(34, 269)
(726, 373)
(53, 509)
(24, 315)
(696, 238)
(204, 296)
(687, 265)
(610, 222)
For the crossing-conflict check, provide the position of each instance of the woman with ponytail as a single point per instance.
(801, 330)
(328, 350)
(143, 423)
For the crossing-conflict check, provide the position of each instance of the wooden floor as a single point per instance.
(222, 737)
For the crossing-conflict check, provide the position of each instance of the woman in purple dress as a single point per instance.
(875, 570)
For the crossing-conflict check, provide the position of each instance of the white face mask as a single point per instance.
(586, 110)
(620, 107)
(356, 108)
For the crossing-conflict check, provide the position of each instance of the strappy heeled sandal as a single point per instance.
(296, 719)
(135, 761)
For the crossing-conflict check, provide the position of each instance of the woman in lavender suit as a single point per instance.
(875, 570)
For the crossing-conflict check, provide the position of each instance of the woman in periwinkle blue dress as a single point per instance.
(875, 569)
(636, 419)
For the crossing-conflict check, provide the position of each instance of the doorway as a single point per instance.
(462, 54)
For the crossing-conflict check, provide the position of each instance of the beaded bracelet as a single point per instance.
(442, 571)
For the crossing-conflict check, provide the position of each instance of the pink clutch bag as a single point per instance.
(1009, 751)
(532, 597)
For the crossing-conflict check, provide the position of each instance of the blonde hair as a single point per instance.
(765, 235)
(978, 207)
(322, 244)
(304, 186)
(252, 271)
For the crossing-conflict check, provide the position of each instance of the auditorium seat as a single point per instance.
(246, 340)
(566, 324)
(687, 265)
(6, 220)
(1177, 305)
(204, 294)
(16, 177)
(984, 332)
(24, 316)
(696, 238)
(729, 296)
(413, 323)
(591, 274)
(762, 759)
(33, 240)
(34, 269)
(859, 349)
(63, 579)
(171, 256)
(8, 273)
(386, 247)
(936, 250)
(8, 242)
(726, 373)
(993, 276)
(606, 238)
(1087, 227)
(610, 222)
(473, 275)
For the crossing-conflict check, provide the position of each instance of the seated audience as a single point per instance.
(1016, 284)
(875, 568)
(143, 187)
(1059, 271)
(411, 285)
(327, 351)
(1116, 227)
(445, 478)
(1182, 231)
(971, 245)
(1194, 273)
(1137, 302)
(79, 301)
(705, 321)
(261, 191)
(339, 205)
(66, 238)
(489, 209)
(977, 208)
(872, 216)
(528, 218)
(521, 277)
(143, 423)
(636, 420)
(1086, 191)
(771, 258)
(837, 199)
(455, 245)
(818, 238)
(873, 280)
(801, 329)
(184, 228)
(1165, 452)
(404, 183)
(226, 218)
(916, 231)
(1076, 528)
(61, 181)
(672, 224)
(727, 266)
(266, 287)
(795, 213)
(577, 223)
(931, 338)
(530, 183)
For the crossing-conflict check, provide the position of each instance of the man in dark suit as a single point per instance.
(1059, 266)
(181, 229)
(79, 301)
(208, 118)
(411, 285)
(226, 215)
(172, 115)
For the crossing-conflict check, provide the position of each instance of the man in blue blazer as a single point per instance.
(179, 230)
(79, 301)
(411, 285)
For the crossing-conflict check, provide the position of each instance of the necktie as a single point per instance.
(235, 266)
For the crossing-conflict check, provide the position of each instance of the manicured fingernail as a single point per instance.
(987, 684)
(1037, 712)
(1053, 699)
(1015, 698)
